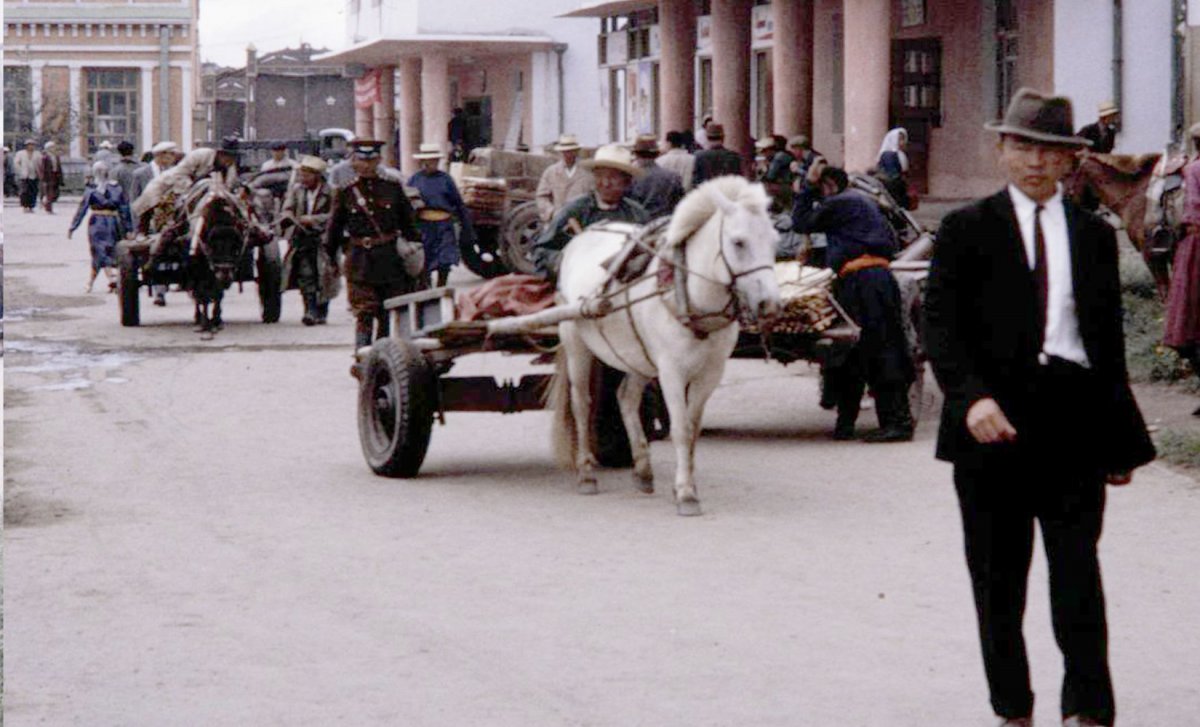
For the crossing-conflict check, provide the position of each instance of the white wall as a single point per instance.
(1083, 67)
(387, 19)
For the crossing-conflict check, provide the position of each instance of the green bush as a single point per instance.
(1179, 448)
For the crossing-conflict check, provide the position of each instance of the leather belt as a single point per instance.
(105, 213)
(370, 242)
(430, 215)
(863, 262)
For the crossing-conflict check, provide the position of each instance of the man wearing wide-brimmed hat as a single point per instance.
(374, 223)
(1103, 133)
(198, 164)
(303, 219)
(564, 180)
(614, 171)
(658, 189)
(1023, 327)
(443, 206)
(27, 165)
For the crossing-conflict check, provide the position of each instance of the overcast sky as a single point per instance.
(228, 26)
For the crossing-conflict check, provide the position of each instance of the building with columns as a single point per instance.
(841, 71)
(521, 74)
(93, 70)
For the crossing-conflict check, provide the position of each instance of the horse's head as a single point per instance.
(219, 233)
(748, 242)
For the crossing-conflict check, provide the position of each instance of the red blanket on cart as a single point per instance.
(508, 295)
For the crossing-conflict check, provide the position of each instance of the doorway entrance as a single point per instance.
(477, 128)
(916, 101)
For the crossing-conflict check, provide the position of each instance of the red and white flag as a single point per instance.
(366, 89)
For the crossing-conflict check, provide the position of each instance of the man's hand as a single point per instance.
(987, 423)
(1119, 478)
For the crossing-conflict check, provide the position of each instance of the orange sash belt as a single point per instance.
(863, 262)
(431, 215)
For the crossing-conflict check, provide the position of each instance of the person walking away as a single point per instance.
(443, 208)
(302, 222)
(860, 247)
(614, 171)
(109, 223)
(891, 166)
(50, 177)
(279, 161)
(716, 160)
(125, 168)
(658, 190)
(164, 155)
(562, 181)
(678, 159)
(1183, 299)
(27, 164)
(1023, 327)
(1103, 132)
(373, 221)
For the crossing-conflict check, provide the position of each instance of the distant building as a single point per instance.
(88, 71)
(280, 95)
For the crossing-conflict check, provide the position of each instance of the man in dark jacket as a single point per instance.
(125, 168)
(860, 247)
(716, 160)
(658, 189)
(1024, 330)
(1103, 133)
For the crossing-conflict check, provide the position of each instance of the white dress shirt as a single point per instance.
(1062, 337)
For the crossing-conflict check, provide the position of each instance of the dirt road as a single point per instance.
(192, 538)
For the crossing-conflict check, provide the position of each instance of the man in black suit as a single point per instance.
(1023, 316)
(716, 160)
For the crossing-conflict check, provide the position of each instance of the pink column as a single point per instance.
(731, 71)
(792, 64)
(364, 122)
(385, 113)
(435, 98)
(867, 80)
(410, 113)
(676, 73)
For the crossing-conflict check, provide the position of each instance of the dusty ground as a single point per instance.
(192, 538)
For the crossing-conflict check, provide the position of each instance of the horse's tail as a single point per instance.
(558, 399)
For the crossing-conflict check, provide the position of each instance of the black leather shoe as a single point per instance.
(1078, 720)
(888, 434)
(843, 434)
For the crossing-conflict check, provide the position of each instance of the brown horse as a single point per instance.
(1120, 182)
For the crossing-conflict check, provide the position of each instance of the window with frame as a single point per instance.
(111, 106)
(1006, 54)
(18, 106)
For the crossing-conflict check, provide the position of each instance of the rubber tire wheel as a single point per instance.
(521, 229)
(396, 404)
(482, 257)
(270, 282)
(610, 441)
(127, 289)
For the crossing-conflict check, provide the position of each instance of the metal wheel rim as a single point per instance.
(384, 421)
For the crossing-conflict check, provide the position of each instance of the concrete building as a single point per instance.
(93, 70)
(521, 74)
(279, 95)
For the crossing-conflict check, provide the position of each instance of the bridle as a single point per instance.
(704, 323)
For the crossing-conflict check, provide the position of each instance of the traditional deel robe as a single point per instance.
(1183, 301)
(581, 212)
(306, 265)
(558, 186)
(108, 224)
(374, 270)
(51, 178)
(441, 198)
(854, 227)
(123, 172)
(658, 190)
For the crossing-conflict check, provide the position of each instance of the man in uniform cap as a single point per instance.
(374, 223)
(614, 172)
(716, 160)
(303, 220)
(564, 180)
(1023, 327)
(658, 189)
(279, 160)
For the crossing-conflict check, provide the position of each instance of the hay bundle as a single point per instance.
(806, 295)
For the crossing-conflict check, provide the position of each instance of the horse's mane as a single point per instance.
(699, 206)
(1129, 165)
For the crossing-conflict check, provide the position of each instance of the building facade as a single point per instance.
(279, 95)
(521, 78)
(90, 71)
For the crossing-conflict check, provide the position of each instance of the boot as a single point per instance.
(443, 277)
(848, 397)
(322, 312)
(310, 304)
(362, 331)
(895, 418)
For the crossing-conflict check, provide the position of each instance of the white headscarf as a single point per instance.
(891, 142)
(100, 173)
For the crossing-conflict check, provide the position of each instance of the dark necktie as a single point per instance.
(1040, 277)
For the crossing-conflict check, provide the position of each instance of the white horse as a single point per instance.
(720, 244)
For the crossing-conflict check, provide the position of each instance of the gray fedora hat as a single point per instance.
(1035, 116)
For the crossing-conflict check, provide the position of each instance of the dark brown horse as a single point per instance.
(1120, 183)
